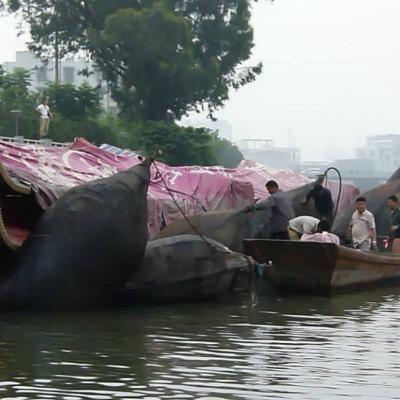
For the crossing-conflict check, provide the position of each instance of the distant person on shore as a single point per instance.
(305, 224)
(281, 210)
(362, 227)
(322, 235)
(322, 199)
(45, 115)
(393, 204)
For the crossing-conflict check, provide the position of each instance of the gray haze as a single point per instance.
(331, 74)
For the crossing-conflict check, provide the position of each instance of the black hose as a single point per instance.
(340, 187)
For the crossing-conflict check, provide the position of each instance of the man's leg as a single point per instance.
(40, 128)
(293, 235)
(46, 127)
(42, 131)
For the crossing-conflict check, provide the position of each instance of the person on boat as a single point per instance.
(362, 227)
(301, 225)
(322, 197)
(393, 204)
(281, 210)
(323, 234)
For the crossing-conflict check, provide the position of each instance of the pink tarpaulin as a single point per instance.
(259, 174)
(50, 171)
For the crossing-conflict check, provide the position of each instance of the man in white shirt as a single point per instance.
(45, 115)
(322, 235)
(362, 227)
(301, 225)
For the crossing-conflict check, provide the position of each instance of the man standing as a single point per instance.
(45, 115)
(281, 210)
(322, 199)
(393, 204)
(362, 227)
(305, 224)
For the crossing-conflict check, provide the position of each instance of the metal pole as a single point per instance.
(16, 114)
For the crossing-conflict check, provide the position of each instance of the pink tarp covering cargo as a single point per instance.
(46, 172)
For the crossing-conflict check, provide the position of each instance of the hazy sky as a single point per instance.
(331, 74)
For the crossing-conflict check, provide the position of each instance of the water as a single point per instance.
(237, 348)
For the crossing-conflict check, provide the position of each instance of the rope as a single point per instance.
(180, 208)
(186, 194)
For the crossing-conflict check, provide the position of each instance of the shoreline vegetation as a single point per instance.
(161, 60)
(77, 112)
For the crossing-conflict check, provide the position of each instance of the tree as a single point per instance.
(227, 154)
(71, 102)
(76, 112)
(176, 145)
(15, 95)
(157, 55)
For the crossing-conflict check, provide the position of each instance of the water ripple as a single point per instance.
(278, 348)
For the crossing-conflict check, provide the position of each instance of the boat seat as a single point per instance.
(396, 246)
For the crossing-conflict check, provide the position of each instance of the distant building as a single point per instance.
(356, 167)
(70, 68)
(384, 151)
(264, 152)
(313, 168)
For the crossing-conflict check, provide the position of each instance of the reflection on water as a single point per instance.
(283, 348)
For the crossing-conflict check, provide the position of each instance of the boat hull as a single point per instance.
(185, 267)
(322, 268)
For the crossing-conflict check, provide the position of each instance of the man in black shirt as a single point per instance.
(322, 199)
(393, 204)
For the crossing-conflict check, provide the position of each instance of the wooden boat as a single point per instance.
(311, 267)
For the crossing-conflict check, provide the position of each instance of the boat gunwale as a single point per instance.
(342, 251)
(336, 268)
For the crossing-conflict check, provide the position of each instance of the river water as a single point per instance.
(241, 347)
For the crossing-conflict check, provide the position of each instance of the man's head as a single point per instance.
(323, 226)
(393, 202)
(361, 204)
(319, 180)
(45, 100)
(272, 186)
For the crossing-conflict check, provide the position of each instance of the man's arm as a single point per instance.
(309, 194)
(349, 228)
(373, 233)
(395, 228)
(373, 236)
(263, 205)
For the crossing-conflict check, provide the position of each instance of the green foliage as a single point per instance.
(76, 114)
(154, 48)
(177, 145)
(65, 130)
(15, 95)
(75, 110)
(157, 55)
(228, 155)
(71, 102)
